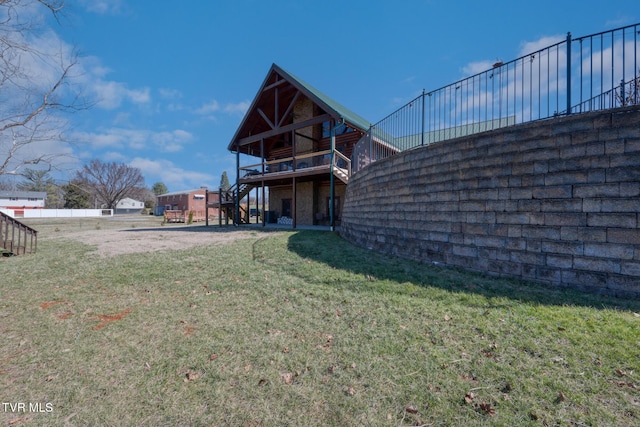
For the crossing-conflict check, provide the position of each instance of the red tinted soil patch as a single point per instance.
(63, 316)
(189, 330)
(108, 318)
(48, 304)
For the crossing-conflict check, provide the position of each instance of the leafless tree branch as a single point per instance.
(30, 110)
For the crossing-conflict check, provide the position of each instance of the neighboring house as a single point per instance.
(128, 206)
(188, 201)
(21, 200)
(302, 142)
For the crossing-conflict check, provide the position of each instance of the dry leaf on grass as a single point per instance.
(561, 398)
(287, 378)
(487, 409)
(621, 373)
(192, 376)
(411, 409)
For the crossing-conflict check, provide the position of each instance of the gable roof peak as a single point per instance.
(277, 76)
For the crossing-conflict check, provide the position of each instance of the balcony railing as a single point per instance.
(574, 75)
(308, 162)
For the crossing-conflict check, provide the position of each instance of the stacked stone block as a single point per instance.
(555, 201)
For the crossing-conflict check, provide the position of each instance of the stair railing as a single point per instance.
(15, 237)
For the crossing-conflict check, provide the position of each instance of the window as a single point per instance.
(341, 129)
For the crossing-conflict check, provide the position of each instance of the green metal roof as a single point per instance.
(329, 105)
(320, 98)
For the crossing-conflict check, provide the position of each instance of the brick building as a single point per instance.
(182, 203)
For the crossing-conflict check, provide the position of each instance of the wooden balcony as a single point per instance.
(302, 165)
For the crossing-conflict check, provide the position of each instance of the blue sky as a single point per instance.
(172, 80)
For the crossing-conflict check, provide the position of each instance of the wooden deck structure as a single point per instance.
(303, 141)
(16, 238)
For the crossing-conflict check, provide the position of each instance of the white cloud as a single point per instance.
(172, 141)
(239, 108)
(113, 156)
(136, 139)
(543, 42)
(474, 68)
(208, 108)
(173, 176)
(526, 48)
(138, 96)
(166, 93)
(110, 140)
(620, 21)
(110, 94)
(103, 7)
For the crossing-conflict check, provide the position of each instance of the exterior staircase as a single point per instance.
(341, 174)
(16, 238)
(228, 202)
(341, 167)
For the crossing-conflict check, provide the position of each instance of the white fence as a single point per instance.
(60, 213)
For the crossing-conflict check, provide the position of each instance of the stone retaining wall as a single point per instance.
(555, 201)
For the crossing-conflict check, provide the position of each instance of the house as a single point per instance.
(21, 200)
(128, 206)
(297, 143)
(178, 204)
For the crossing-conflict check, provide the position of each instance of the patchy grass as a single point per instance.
(302, 328)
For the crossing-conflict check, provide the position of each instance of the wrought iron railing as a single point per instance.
(574, 75)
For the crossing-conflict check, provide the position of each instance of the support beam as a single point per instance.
(276, 108)
(284, 129)
(289, 108)
(294, 208)
(264, 213)
(236, 217)
(265, 118)
(276, 84)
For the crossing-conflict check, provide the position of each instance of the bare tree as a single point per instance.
(628, 93)
(111, 182)
(40, 180)
(34, 86)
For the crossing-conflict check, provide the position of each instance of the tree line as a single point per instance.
(37, 91)
(97, 185)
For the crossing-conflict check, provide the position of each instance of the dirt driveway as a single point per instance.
(132, 234)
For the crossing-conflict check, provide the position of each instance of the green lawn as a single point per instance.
(302, 329)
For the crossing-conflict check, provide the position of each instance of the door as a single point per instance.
(286, 207)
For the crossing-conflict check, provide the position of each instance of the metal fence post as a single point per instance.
(423, 94)
(568, 73)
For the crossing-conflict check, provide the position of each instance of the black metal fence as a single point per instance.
(574, 75)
